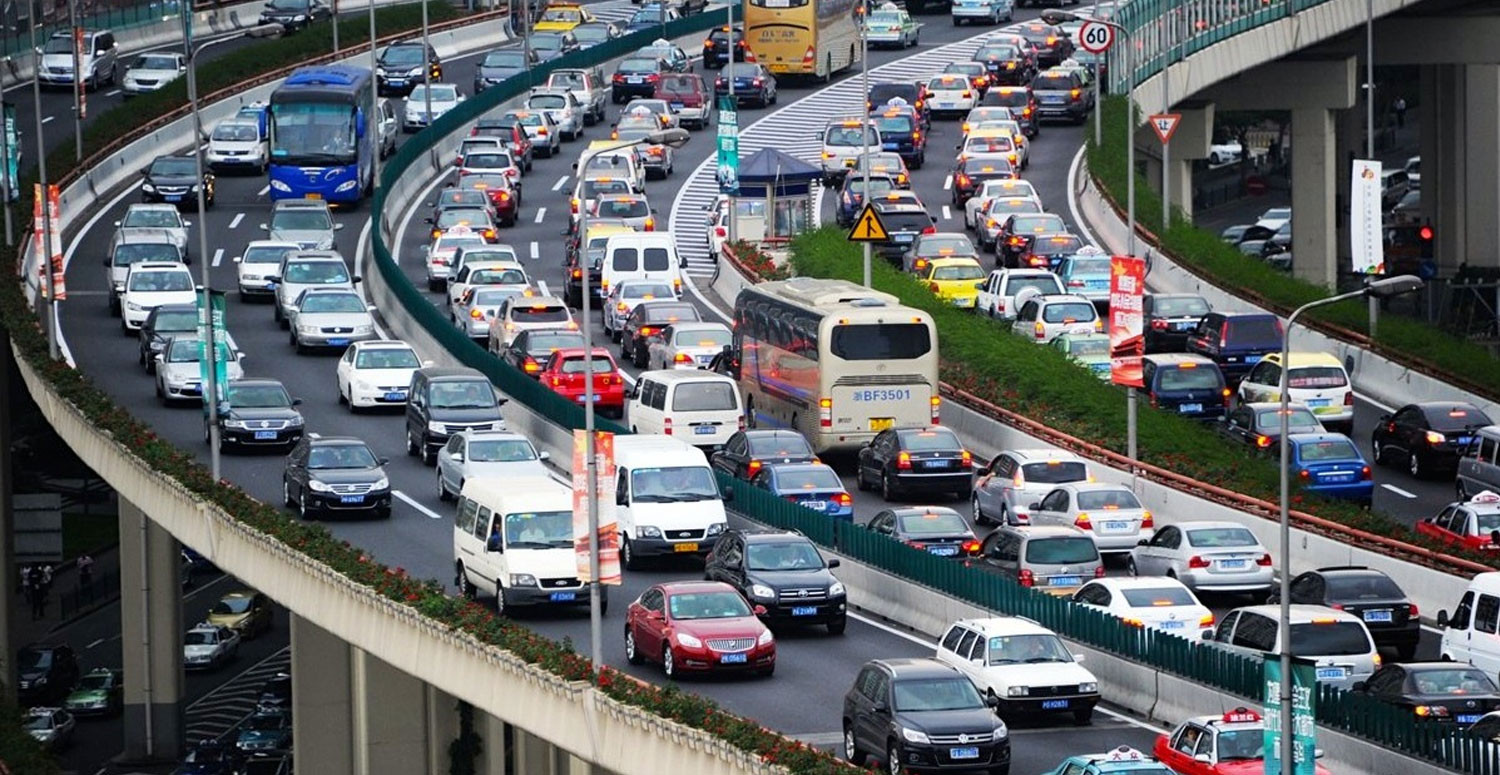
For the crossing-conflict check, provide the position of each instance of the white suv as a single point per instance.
(150, 284)
(1023, 665)
(843, 144)
(1336, 641)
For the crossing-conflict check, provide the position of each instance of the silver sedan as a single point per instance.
(499, 454)
(1205, 556)
(178, 373)
(477, 309)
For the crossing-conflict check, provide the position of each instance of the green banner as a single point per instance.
(1304, 696)
(221, 343)
(729, 147)
(12, 152)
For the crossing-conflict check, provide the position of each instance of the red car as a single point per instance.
(565, 371)
(1474, 524)
(1227, 744)
(504, 195)
(698, 626)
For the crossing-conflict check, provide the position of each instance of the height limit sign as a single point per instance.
(1165, 124)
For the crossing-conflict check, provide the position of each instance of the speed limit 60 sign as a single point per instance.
(1096, 37)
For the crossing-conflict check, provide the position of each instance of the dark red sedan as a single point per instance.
(698, 626)
(566, 370)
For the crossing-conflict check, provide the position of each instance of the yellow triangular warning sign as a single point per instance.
(867, 227)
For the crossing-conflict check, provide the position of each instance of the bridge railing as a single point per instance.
(1161, 32)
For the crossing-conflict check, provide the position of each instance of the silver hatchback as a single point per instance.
(1056, 560)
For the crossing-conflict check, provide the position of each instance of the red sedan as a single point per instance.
(565, 371)
(698, 626)
(504, 195)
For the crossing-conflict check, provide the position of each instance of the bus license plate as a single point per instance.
(352, 499)
(704, 430)
(683, 548)
(1383, 615)
(564, 597)
(265, 435)
(882, 423)
(971, 752)
(734, 659)
(804, 610)
(1054, 704)
(1189, 408)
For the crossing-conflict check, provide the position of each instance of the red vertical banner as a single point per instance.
(609, 528)
(54, 213)
(1127, 284)
(79, 82)
(38, 246)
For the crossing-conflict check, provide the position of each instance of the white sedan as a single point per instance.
(688, 346)
(1010, 187)
(497, 454)
(1109, 513)
(208, 646)
(376, 372)
(445, 97)
(1206, 556)
(1157, 602)
(951, 93)
(150, 72)
(562, 107)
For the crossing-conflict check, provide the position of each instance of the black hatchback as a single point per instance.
(747, 452)
(1236, 341)
(1429, 436)
(1387, 612)
(921, 715)
(784, 573)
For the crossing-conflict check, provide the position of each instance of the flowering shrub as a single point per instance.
(755, 262)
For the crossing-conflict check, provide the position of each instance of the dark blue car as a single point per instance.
(1329, 464)
(810, 485)
(212, 757)
(1186, 385)
(852, 195)
(267, 733)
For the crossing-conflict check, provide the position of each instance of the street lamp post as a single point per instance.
(1390, 286)
(1370, 119)
(427, 63)
(675, 138)
(864, 128)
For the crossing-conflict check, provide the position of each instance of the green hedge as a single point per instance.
(19, 751)
(982, 357)
(1411, 341)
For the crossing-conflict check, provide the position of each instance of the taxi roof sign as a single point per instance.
(1125, 754)
(868, 227)
(1241, 715)
(1488, 496)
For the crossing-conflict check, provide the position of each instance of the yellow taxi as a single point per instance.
(955, 280)
(561, 17)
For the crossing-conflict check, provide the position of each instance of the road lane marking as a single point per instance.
(535, 251)
(264, 191)
(412, 503)
(541, 213)
(218, 256)
(114, 93)
(1403, 493)
(48, 119)
(947, 213)
(562, 181)
(543, 285)
(101, 640)
(948, 183)
(234, 224)
(1374, 403)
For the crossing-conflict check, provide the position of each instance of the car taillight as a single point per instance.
(971, 547)
(1207, 620)
(1411, 610)
(1264, 561)
(1026, 578)
(556, 380)
(935, 406)
(1159, 325)
(530, 366)
(825, 412)
(577, 274)
(1076, 94)
(1026, 111)
(930, 229)
(961, 179)
(1262, 441)
(1197, 562)
(650, 224)
(903, 461)
(1040, 330)
(653, 77)
(967, 94)
(1076, 283)
(753, 467)
(677, 285)
(681, 358)
(666, 427)
(503, 196)
(575, 206)
(619, 78)
(1364, 473)
(477, 314)
(437, 233)
(647, 331)
(622, 307)
(1430, 711)
(756, 83)
(1349, 398)
(1148, 520)
(1082, 521)
(1227, 394)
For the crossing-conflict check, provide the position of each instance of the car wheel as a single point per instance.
(632, 654)
(442, 489)
(1130, 566)
(627, 555)
(1414, 466)
(893, 758)
(286, 493)
(500, 607)
(429, 456)
(851, 747)
(668, 662)
(1461, 490)
(302, 507)
(1375, 456)
(979, 517)
(412, 445)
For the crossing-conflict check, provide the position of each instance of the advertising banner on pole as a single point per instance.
(609, 529)
(1304, 728)
(39, 230)
(729, 148)
(1127, 343)
(1366, 237)
(12, 168)
(221, 346)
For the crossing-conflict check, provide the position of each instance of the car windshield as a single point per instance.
(878, 185)
(701, 337)
(1221, 537)
(155, 62)
(623, 208)
(334, 456)
(1316, 377)
(1044, 284)
(464, 394)
(441, 92)
(34, 659)
(332, 302)
(190, 351)
(401, 56)
(1199, 377)
(540, 313)
(1250, 330)
(175, 320)
(1241, 745)
(782, 555)
(464, 216)
(638, 65)
(1299, 420)
(894, 125)
(508, 59)
(645, 290)
(386, 358)
(939, 439)
(547, 43)
(1362, 586)
(97, 681)
(807, 478)
(38, 721)
(707, 605)
(1055, 472)
(706, 396)
(175, 166)
(849, 136)
(932, 523)
(501, 451)
(258, 396)
(301, 220)
(151, 217)
(1094, 345)
(128, 254)
(593, 187)
(1068, 312)
(231, 605)
(59, 44)
(265, 254)
(539, 529)
(1158, 597)
(680, 484)
(989, 144)
(497, 277)
(452, 242)
(946, 244)
(669, 313)
(544, 101)
(492, 297)
(1458, 680)
(957, 272)
(1052, 82)
(1108, 500)
(1329, 449)
(1028, 649)
(1456, 418)
(936, 694)
(316, 273)
(1330, 638)
(489, 160)
(1179, 306)
(1057, 246)
(1061, 550)
(202, 638)
(163, 282)
(994, 53)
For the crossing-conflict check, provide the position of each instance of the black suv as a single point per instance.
(748, 452)
(257, 413)
(174, 180)
(716, 46)
(646, 322)
(47, 673)
(1387, 611)
(1236, 341)
(400, 68)
(903, 222)
(331, 475)
(924, 714)
(1170, 318)
(295, 14)
(783, 572)
(913, 94)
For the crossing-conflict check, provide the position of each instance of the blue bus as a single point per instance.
(323, 135)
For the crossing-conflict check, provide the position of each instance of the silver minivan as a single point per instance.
(1336, 641)
(1056, 559)
(1479, 466)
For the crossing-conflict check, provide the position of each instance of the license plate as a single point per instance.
(804, 610)
(943, 551)
(1232, 564)
(704, 430)
(1052, 100)
(1064, 581)
(816, 505)
(1330, 673)
(352, 499)
(173, 197)
(264, 435)
(882, 423)
(395, 396)
(675, 105)
(1171, 625)
(396, 81)
(732, 659)
(1189, 408)
(633, 79)
(564, 597)
(1253, 358)
(935, 464)
(901, 237)
(971, 752)
(1335, 478)
(338, 342)
(890, 146)
(947, 104)
(1317, 402)
(1463, 440)
(1377, 616)
(1183, 326)
(313, 196)
(1116, 525)
(1467, 718)
(1054, 704)
(683, 548)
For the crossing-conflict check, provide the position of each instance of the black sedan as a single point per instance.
(1169, 318)
(1428, 437)
(174, 179)
(1387, 612)
(1006, 64)
(970, 175)
(753, 84)
(636, 76)
(265, 734)
(939, 530)
(212, 757)
(501, 64)
(1259, 425)
(916, 460)
(257, 414)
(162, 324)
(718, 43)
(1435, 691)
(295, 14)
(782, 571)
(747, 452)
(275, 694)
(335, 475)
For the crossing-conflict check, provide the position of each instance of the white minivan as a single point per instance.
(513, 538)
(1472, 632)
(667, 501)
(648, 255)
(701, 408)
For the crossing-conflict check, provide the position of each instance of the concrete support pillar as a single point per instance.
(533, 755)
(442, 727)
(1314, 251)
(151, 637)
(1349, 144)
(323, 716)
(390, 718)
(1444, 165)
(1180, 171)
(1481, 148)
(577, 766)
(494, 759)
(8, 572)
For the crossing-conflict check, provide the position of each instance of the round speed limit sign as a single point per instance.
(1096, 37)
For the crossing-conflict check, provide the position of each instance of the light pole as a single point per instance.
(1379, 289)
(1370, 119)
(44, 262)
(79, 84)
(864, 124)
(731, 46)
(675, 138)
(379, 117)
(210, 352)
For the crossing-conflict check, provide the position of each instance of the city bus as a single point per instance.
(803, 37)
(324, 134)
(836, 361)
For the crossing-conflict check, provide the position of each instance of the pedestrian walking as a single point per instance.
(1399, 108)
(85, 565)
(47, 578)
(37, 594)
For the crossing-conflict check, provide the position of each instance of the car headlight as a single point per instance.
(522, 580)
(761, 590)
(303, 328)
(765, 637)
(689, 641)
(280, 186)
(238, 425)
(295, 422)
(133, 307)
(915, 736)
(347, 185)
(363, 329)
(836, 589)
(649, 531)
(147, 187)
(317, 486)
(362, 385)
(414, 72)
(1000, 732)
(301, 17)
(1088, 687)
(381, 483)
(716, 529)
(40, 681)
(436, 427)
(1016, 691)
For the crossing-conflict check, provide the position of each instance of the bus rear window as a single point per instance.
(880, 341)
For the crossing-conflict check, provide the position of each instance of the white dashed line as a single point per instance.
(947, 213)
(948, 183)
(541, 214)
(1393, 488)
(236, 222)
(536, 251)
(114, 93)
(407, 499)
(264, 191)
(218, 257)
(48, 119)
(101, 640)
(543, 285)
(562, 181)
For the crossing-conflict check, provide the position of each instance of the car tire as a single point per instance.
(1414, 466)
(855, 756)
(632, 653)
(286, 493)
(627, 555)
(979, 517)
(887, 492)
(429, 456)
(893, 758)
(1376, 457)
(442, 489)
(500, 606)
(412, 444)
(1130, 567)
(668, 662)
(466, 588)
(302, 512)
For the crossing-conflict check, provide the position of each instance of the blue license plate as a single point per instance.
(352, 499)
(731, 659)
(1054, 704)
(805, 610)
(901, 237)
(943, 551)
(1467, 718)
(264, 435)
(1189, 408)
(1064, 581)
(676, 105)
(1172, 625)
(1232, 564)
(173, 197)
(563, 597)
(1317, 402)
(935, 464)
(1053, 100)
(395, 396)
(1183, 326)
(338, 342)
(1377, 616)
(1337, 478)
(889, 146)
(1330, 673)
(1116, 525)
(396, 81)
(1253, 358)
(704, 430)
(1463, 441)
(971, 752)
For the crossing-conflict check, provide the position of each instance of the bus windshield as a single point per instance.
(312, 133)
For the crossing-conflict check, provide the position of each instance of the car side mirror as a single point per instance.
(187, 260)
(275, 278)
(237, 259)
(371, 309)
(980, 286)
(117, 223)
(1143, 542)
(1079, 657)
(544, 456)
(1208, 635)
(759, 610)
(834, 563)
(187, 224)
(357, 280)
(1203, 757)
(458, 457)
(1035, 506)
(338, 227)
(990, 700)
(265, 227)
(1383, 417)
(1442, 619)
(296, 402)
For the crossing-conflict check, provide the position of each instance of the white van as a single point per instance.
(649, 255)
(1472, 632)
(513, 539)
(699, 407)
(667, 501)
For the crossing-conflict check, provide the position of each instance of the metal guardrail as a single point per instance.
(1166, 31)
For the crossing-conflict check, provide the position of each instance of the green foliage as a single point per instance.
(1408, 341)
(19, 751)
